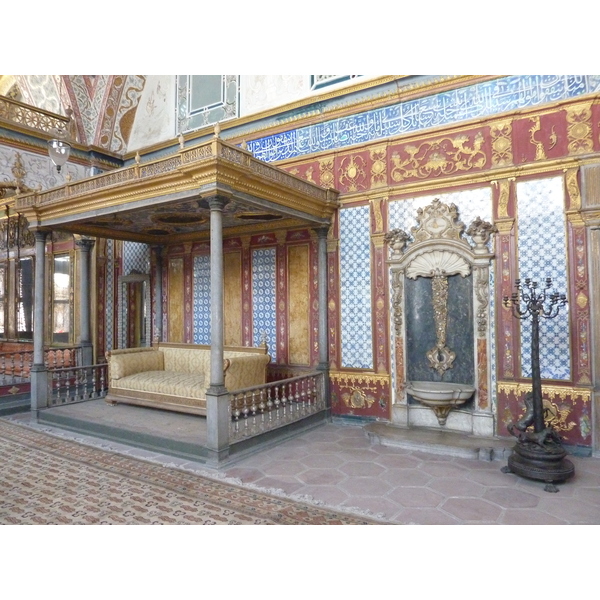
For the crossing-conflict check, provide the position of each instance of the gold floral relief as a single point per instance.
(573, 189)
(579, 128)
(540, 150)
(378, 167)
(377, 216)
(440, 157)
(357, 399)
(326, 172)
(352, 173)
(503, 198)
(501, 133)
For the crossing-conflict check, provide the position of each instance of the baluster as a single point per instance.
(303, 395)
(102, 381)
(21, 366)
(12, 366)
(270, 404)
(58, 376)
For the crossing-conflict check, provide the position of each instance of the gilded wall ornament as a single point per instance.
(501, 134)
(579, 129)
(573, 190)
(440, 157)
(326, 175)
(353, 173)
(357, 399)
(540, 151)
(378, 167)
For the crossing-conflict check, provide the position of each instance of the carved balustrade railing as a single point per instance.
(262, 408)
(68, 385)
(15, 367)
(29, 116)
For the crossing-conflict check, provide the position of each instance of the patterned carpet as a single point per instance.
(49, 480)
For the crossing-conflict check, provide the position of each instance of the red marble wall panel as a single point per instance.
(360, 396)
(308, 171)
(539, 137)
(567, 410)
(352, 172)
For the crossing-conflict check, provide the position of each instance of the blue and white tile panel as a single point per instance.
(264, 299)
(446, 108)
(202, 304)
(355, 288)
(136, 258)
(542, 252)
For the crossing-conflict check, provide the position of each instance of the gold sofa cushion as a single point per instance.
(186, 360)
(245, 370)
(124, 364)
(167, 383)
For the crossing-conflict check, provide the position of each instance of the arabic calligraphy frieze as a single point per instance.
(445, 108)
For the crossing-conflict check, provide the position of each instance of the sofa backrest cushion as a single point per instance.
(245, 370)
(123, 364)
(187, 360)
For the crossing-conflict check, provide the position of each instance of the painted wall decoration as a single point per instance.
(260, 92)
(155, 117)
(542, 253)
(446, 108)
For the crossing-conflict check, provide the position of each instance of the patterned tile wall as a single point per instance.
(202, 304)
(542, 252)
(136, 258)
(264, 299)
(355, 288)
(446, 108)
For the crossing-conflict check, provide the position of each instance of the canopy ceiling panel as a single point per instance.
(166, 201)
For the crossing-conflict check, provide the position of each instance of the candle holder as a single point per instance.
(538, 453)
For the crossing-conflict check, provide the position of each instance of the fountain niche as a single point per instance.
(440, 312)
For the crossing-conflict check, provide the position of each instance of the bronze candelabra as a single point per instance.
(538, 454)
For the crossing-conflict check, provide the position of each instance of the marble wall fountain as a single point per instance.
(440, 313)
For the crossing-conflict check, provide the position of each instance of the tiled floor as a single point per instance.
(337, 465)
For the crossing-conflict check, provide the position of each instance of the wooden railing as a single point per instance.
(15, 367)
(68, 385)
(262, 408)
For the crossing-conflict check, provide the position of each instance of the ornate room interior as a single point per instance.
(365, 230)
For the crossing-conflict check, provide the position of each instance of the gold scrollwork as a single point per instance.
(501, 133)
(553, 391)
(378, 166)
(440, 157)
(377, 216)
(540, 151)
(326, 172)
(579, 129)
(573, 189)
(353, 173)
(503, 198)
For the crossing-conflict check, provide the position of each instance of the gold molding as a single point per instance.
(518, 389)
(351, 379)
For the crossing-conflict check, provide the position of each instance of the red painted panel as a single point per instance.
(356, 397)
(540, 137)
(569, 415)
(352, 172)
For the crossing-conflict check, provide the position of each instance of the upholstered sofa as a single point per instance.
(176, 376)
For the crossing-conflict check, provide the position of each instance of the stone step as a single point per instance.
(432, 441)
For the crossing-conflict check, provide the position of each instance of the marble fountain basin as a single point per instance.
(440, 396)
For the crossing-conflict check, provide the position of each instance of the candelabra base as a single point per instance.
(545, 462)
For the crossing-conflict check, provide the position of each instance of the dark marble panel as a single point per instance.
(420, 329)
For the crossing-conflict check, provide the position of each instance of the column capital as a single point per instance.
(217, 202)
(40, 235)
(322, 232)
(84, 243)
